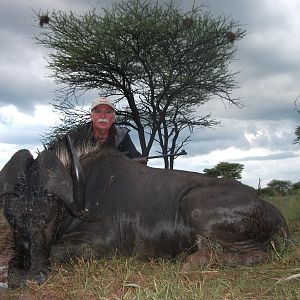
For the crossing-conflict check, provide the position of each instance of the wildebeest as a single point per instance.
(121, 207)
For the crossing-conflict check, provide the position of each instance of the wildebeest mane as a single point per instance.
(83, 141)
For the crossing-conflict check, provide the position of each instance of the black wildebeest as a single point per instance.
(122, 207)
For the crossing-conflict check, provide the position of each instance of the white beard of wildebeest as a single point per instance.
(83, 146)
(81, 149)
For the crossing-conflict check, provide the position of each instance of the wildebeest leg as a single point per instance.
(234, 219)
(244, 258)
(201, 258)
(210, 253)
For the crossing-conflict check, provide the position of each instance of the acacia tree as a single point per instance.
(226, 170)
(163, 61)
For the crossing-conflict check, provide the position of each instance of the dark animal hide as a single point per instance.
(151, 213)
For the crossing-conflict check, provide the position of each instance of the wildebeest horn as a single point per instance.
(78, 185)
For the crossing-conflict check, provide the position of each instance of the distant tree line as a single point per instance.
(234, 171)
(280, 187)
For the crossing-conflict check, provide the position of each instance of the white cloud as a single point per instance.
(42, 115)
(19, 130)
(261, 165)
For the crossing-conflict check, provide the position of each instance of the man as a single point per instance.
(100, 131)
(103, 115)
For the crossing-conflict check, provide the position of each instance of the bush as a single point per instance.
(280, 186)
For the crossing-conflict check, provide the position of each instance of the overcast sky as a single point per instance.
(260, 135)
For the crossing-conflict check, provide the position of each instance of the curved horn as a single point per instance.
(77, 175)
(78, 185)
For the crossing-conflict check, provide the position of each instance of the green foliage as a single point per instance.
(280, 186)
(226, 170)
(163, 61)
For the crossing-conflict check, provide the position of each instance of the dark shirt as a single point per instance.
(126, 145)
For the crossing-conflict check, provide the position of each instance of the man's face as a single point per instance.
(102, 116)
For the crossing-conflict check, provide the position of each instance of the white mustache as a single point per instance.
(102, 120)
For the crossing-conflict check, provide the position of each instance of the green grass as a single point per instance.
(288, 205)
(128, 278)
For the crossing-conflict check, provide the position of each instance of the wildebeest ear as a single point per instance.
(53, 176)
(15, 167)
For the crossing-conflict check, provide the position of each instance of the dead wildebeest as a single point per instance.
(122, 207)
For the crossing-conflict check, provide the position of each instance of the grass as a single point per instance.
(128, 278)
(289, 205)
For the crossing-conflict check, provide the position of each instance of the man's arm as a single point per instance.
(128, 146)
